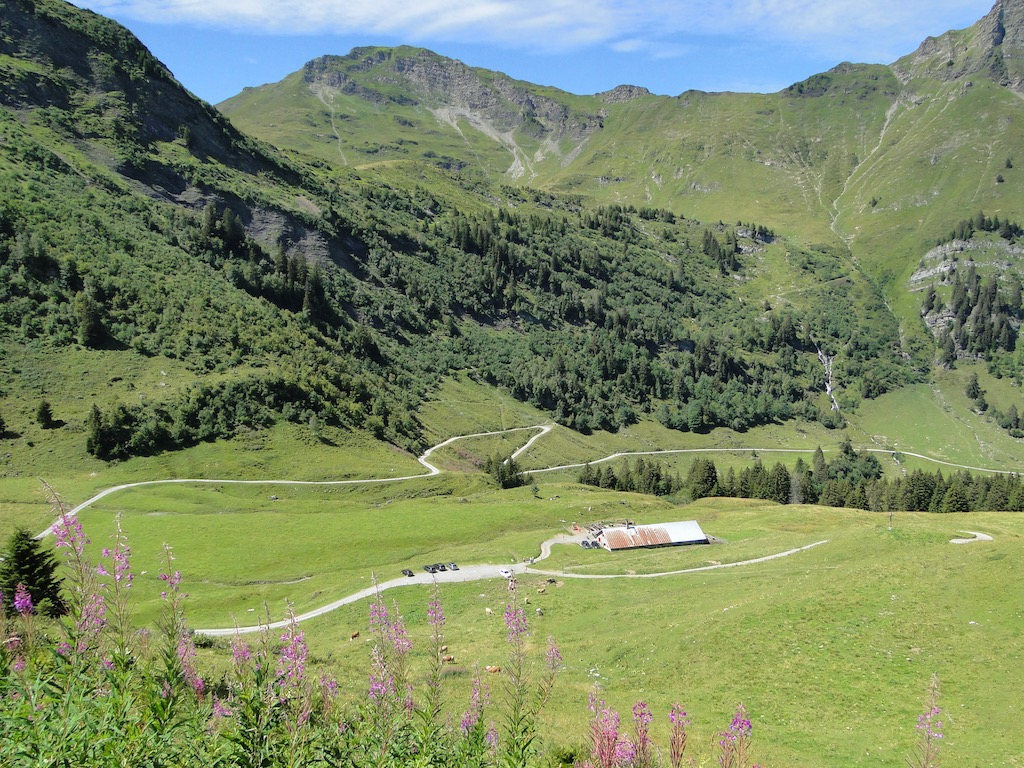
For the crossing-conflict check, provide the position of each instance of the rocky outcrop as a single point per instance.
(622, 93)
(994, 47)
(415, 76)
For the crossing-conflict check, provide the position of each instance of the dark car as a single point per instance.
(406, 572)
(452, 567)
(440, 567)
(430, 568)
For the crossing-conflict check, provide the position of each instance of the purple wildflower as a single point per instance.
(378, 615)
(19, 664)
(515, 622)
(472, 715)
(240, 652)
(643, 754)
(92, 618)
(679, 722)
(435, 614)
(221, 709)
(22, 600)
(187, 656)
(69, 534)
(291, 663)
(929, 727)
(735, 742)
(122, 562)
(554, 656)
(329, 686)
(382, 682)
(173, 580)
(400, 637)
(492, 737)
(609, 749)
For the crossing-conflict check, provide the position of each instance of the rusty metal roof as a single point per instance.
(658, 535)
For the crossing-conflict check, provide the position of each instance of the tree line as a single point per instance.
(851, 479)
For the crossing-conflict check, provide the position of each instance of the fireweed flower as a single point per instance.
(221, 709)
(241, 652)
(515, 623)
(435, 614)
(928, 725)
(553, 659)
(172, 580)
(121, 556)
(92, 618)
(679, 721)
(69, 534)
(608, 748)
(472, 715)
(735, 741)
(929, 728)
(291, 663)
(186, 650)
(22, 600)
(643, 755)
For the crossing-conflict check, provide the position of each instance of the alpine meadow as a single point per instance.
(324, 412)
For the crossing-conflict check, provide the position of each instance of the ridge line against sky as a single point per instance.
(218, 47)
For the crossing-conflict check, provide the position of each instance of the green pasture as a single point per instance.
(831, 649)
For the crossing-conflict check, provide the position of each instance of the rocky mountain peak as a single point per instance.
(993, 46)
(419, 77)
(623, 93)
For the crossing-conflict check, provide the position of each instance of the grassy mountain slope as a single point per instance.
(385, 104)
(881, 159)
(141, 232)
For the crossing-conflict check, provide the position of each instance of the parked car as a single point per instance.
(585, 544)
(452, 567)
(506, 572)
(440, 567)
(429, 569)
(406, 572)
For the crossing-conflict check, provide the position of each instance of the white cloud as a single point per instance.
(876, 30)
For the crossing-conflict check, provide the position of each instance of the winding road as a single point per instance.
(483, 571)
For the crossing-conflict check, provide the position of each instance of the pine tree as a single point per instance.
(44, 414)
(26, 562)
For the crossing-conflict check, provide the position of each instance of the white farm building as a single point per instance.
(656, 535)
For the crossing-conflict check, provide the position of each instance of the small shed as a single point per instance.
(657, 535)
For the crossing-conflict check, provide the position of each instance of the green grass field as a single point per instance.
(831, 649)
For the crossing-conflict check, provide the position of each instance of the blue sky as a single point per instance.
(217, 47)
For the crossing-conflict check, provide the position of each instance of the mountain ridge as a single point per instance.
(792, 158)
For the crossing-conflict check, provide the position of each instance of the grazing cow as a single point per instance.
(449, 659)
(443, 649)
(493, 670)
(488, 611)
(354, 635)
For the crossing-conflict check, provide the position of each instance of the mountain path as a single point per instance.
(334, 126)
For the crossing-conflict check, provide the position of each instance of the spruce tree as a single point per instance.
(27, 562)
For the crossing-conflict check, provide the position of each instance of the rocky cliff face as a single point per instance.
(993, 47)
(411, 76)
